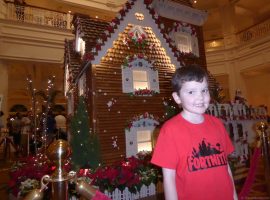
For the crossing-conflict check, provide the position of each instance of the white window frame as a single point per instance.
(192, 42)
(80, 44)
(132, 141)
(139, 65)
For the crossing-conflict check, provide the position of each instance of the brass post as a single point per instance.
(58, 152)
(262, 127)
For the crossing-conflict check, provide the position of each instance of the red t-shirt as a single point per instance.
(198, 153)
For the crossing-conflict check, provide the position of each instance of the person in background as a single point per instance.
(20, 6)
(1, 121)
(61, 126)
(16, 125)
(193, 147)
(51, 126)
(26, 132)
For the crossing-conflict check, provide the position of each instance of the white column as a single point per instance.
(227, 13)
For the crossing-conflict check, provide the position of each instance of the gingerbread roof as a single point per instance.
(90, 29)
(99, 37)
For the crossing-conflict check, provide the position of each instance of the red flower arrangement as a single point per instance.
(143, 92)
(27, 168)
(138, 40)
(87, 57)
(131, 173)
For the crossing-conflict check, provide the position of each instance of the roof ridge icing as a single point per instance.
(117, 25)
(111, 32)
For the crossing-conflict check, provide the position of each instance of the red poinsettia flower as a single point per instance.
(152, 12)
(131, 34)
(111, 174)
(128, 5)
(126, 175)
(98, 47)
(140, 55)
(122, 12)
(116, 21)
(147, 2)
(104, 37)
(134, 181)
(110, 29)
(88, 56)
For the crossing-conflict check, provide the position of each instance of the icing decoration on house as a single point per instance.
(110, 103)
(137, 36)
(184, 27)
(137, 60)
(114, 142)
(142, 120)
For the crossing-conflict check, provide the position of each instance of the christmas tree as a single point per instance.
(171, 109)
(84, 143)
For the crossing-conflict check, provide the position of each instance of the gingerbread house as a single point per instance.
(123, 68)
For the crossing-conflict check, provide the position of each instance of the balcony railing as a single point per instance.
(35, 15)
(254, 32)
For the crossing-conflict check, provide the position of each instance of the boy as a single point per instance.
(192, 147)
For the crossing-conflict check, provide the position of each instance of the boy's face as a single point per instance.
(194, 97)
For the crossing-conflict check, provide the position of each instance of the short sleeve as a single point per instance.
(165, 152)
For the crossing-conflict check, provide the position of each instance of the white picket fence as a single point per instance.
(117, 194)
(127, 195)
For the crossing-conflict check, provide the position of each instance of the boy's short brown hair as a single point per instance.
(188, 73)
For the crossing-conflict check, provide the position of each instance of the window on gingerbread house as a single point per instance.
(144, 141)
(139, 139)
(183, 42)
(80, 44)
(186, 43)
(140, 80)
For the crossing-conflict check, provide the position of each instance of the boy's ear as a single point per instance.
(176, 98)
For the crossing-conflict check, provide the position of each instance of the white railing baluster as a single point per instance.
(35, 15)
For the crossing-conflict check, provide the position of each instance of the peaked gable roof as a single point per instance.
(99, 44)
(129, 17)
